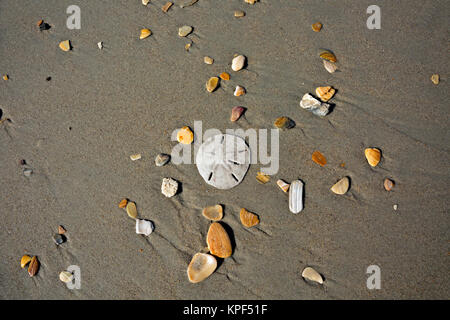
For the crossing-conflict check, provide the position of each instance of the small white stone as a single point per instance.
(100, 45)
(184, 31)
(238, 62)
(135, 157)
(296, 196)
(395, 207)
(144, 227)
(27, 172)
(169, 187)
(329, 66)
(145, 2)
(317, 107)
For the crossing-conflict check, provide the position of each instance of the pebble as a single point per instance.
(184, 31)
(185, 135)
(284, 123)
(395, 206)
(435, 79)
(341, 187)
(187, 46)
(132, 210)
(59, 239)
(61, 230)
(169, 187)
(212, 84)
(325, 93)
(373, 156)
(236, 113)
(33, 267)
(135, 157)
(262, 177)
(214, 213)
(239, 14)
(166, 7)
(145, 2)
(162, 159)
(25, 260)
(208, 60)
(5, 77)
(27, 172)
(238, 62)
(64, 45)
(239, 91)
(251, 1)
(144, 227)
(312, 275)
(248, 219)
(66, 276)
(327, 55)
(201, 267)
(319, 158)
(316, 26)
(283, 185)
(123, 203)
(224, 76)
(187, 3)
(329, 66)
(145, 33)
(100, 45)
(388, 184)
(218, 241)
(313, 105)
(296, 196)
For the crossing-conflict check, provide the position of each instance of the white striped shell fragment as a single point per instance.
(144, 227)
(201, 267)
(296, 196)
(223, 160)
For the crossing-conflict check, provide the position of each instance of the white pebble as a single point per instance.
(169, 187)
(144, 227)
(135, 157)
(100, 45)
(238, 62)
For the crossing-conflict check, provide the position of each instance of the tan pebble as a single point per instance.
(329, 66)
(218, 241)
(283, 123)
(64, 45)
(388, 184)
(225, 76)
(238, 62)
(123, 203)
(5, 77)
(236, 113)
(132, 210)
(184, 31)
(325, 93)
(435, 79)
(328, 56)
(312, 275)
(248, 219)
(239, 14)
(212, 84)
(319, 158)
(33, 267)
(316, 26)
(214, 213)
(166, 7)
(135, 157)
(24, 261)
(66, 276)
(61, 230)
(373, 156)
(239, 91)
(208, 60)
(185, 135)
(283, 185)
(341, 187)
(263, 178)
(145, 33)
(201, 267)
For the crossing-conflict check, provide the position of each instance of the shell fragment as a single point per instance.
(341, 187)
(214, 213)
(201, 267)
(144, 227)
(312, 275)
(283, 185)
(219, 243)
(296, 196)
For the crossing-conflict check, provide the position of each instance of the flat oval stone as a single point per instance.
(238, 62)
(184, 31)
(212, 84)
(341, 187)
(312, 275)
(319, 158)
(214, 213)
(219, 243)
(132, 210)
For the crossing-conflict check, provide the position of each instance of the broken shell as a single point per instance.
(201, 267)
(185, 135)
(388, 184)
(162, 159)
(145, 2)
(284, 123)
(236, 113)
(262, 177)
(219, 243)
(325, 93)
(212, 83)
(66, 276)
(238, 63)
(100, 45)
(187, 46)
(239, 14)
(33, 267)
(296, 196)
(24, 261)
(373, 156)
(132, 210)
(327, 55)
(435, 79)
(27, 172)
(313, 105)
(312, 275)
(166, 7)
(39, 22)
(123, 203)
(64, 45)
(145, 33)
(5, 77)
(224, 76)
(341, 187)
(248, 219)
(319, 158)
(329, 66)
(239, 91)
(316, 26)
(169, 187)
(184, 31)
(135, 157)
(61, 230)
(214, 213)
(283, 185)
(59, 239)
(208, 60)
(144, 227)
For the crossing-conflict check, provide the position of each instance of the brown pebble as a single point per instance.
(319, 158)
(317, 26)
(61, 230)
(248, 219)
(123, 203)
(388, 184)
(33, 267)
(435, 79)
(218, 241)
(224, 76)
(166, 7)
(236, 113)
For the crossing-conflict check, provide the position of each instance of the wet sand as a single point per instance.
(77, 131)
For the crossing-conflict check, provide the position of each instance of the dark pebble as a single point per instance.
(59, 239)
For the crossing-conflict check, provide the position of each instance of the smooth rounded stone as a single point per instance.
(185, 135)
(123, 203)
(184, 31)
(59, 239)
(248, 219)
(395, 206)
(262, 177)
(315, 106)
(319, 158)
(162, 159)
(144, 227)
(296, 196)
(388, 184)
(65, 45)
(169, 187)
(24, 261)
(239, 14)
(238, 62)
(312, 275)
(316, 26)
(373, 156)
(218, 241)
(66, 276)
(283, 185)
(212, 84)
(145, 33)
(132, 210)
(33, 267)
(201, 267)
(284, 123)
(236, 113)
(341, 187)
(135, 157)
(327, 55)
(329, 66)
(435, 79)
(208, 60)
(223, 160)
(214, 213)
(239, 91)
(224, 76)
(27, 172)
(325, 93)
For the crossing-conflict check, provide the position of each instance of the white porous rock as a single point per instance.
(144, 227)
(296, 196)
(317, 107)
(169, 187)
